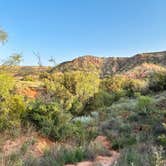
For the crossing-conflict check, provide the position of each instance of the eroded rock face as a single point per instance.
(112, 65)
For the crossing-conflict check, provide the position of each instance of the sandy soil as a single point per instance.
(36, 145)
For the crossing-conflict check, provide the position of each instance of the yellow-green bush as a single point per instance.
(12, 106)
(72, 89)
(49, 118)
(157, 81)
(122, 85)
(113, 84)
(81, 84)
(133, 86)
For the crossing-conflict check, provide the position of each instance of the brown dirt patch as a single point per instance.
(36, 145)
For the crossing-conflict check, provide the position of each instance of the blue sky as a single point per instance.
(65, 29)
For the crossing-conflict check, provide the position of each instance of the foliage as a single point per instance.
(131, 121)
(121, 85)
(113, 84)
(142, 154)
(99, 100)
(49, 118)
(11, 112)
(62, 155)
(157, 81)
(56, 91)
(72, 90)
(81, 84)
(133, 86)
(13, 60)
(52, 121)
(145, 104)
(12, 106)
(6, 85)
(29, 78)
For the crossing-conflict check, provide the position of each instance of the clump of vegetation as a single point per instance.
(12, 105)
(145, 104)
(61, 155)
(50, 119)
(157, 82)
(123, 86)
(141, 154)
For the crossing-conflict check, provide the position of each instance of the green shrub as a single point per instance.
(162, 140)
(52, 121)
(121, 85)
(157, 81)
(100, 100)
(30, 78)
(77, 107)
(145, 104)
(54, 90)
(133, 86)
(49, 118)
(11, 112)
(123, 141)
(7, 84)
(72, 89)
(81, 84)
(141, 154)
(12, 106)
(59, 156)
(114, 84)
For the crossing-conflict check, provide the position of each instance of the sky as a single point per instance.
(66, 29)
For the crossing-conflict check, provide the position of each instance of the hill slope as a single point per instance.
(112, 65)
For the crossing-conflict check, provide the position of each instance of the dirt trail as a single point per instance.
(101, 160)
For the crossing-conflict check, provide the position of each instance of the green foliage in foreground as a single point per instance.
(58, 156)
(49, 118)
(123, 114)
(141, 154)
(12, 106)
(55, 123)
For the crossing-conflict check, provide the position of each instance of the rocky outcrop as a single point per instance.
(111, 65)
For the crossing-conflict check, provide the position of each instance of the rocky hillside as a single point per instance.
(112, 65)
(84, 63)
